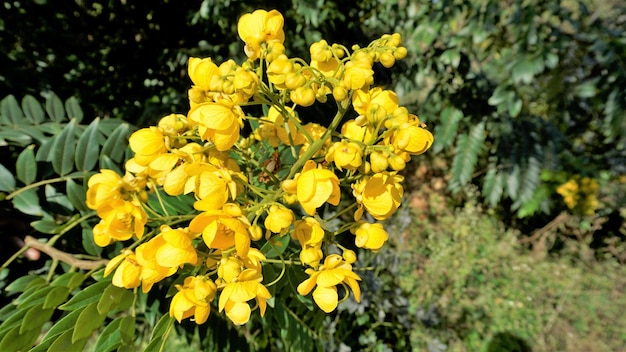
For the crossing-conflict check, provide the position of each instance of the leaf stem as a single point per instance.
(41, 183)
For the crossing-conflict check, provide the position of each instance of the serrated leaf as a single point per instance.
(54, 108)
(88, 295)
(114, 298)
(26, 165)
(115, 145)
(87, 149)
(55, 297)
(7, 181)
(11, 112)
(28, 203)
(35, 318)
(447, 129)
(88, 321)
(65, 343)
(73, 109)
(14, 341)
(32, 109)
(63, 149)
(77, 195)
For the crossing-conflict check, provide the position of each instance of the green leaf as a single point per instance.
(14, 341)
(73, 109)
(77, 195)
(451, 57)
(64, 325)
(44, 153)
(88, 321)
(114, 298)
(116, 143)
(7, 181)
(22, 283)
(28, 203)
(586, 89)
(54, 107)
(62, 152)
(48, 226)
(35, 318)
(87, 149)
(514, 105)
(447, 129)
(275, 246)
(90, 294)
(530, 207)
(32, 109)
(10, 111)
(65, 343)
(33, 297)
(162, 326)
(493, 186)
(89, 243)
(121, 331)
(55, 297)
(26, 165)
(107, 163)
(16, 137)
(70, 280)
(468, 148)
(524, 71)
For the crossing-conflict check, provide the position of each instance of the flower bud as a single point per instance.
(396, 162)
(378, 161)
(387, 59)
(304, 96)
(349, 256)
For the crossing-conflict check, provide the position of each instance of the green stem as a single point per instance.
(41, 183)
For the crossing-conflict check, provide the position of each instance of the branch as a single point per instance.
(63, 256)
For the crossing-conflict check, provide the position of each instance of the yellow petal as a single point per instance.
(326, 298)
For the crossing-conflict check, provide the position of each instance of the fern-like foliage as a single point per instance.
(469, 147)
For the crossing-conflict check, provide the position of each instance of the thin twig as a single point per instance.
(63, 256)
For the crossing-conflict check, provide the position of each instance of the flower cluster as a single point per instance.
(580, 194)
(284, 180)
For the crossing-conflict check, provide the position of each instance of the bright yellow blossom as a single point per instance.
(313, 187)
(260, 27)
(223, 229)
(193, 299)
(103, 187)
(217, 123)
(127, 270)
(278, 218)
(333, 272)
(120, 220)
(380, 194)
(345, 155)
(370, 236)
(235, 296)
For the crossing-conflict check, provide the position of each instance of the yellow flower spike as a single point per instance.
(260, 27)
(278, 218)
(352, 130)
(340, 93)
(193, 299)
(246, 81)
(274, 50)
(358, 75)
(321, 51)
(380, 194)
(370, 236)
(308, 231)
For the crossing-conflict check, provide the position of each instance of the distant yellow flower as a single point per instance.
(120, 220)
(313, 187)
(278, 218)
(380, 194)
(193, 299)
(333, 272)
(260, 27)
(223, 229)
(235, 296)
(370, 236)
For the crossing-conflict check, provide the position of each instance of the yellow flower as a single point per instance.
(333, 272)
(120, 220)
(193, 299)
(223, 229)
(370, 236)
(218, 123)
(345, 155)
(128, 272)
(313, 187)
(201, 71)
(103, 187)
(147, 143)
(310, 234)
(351, 130)
(380, 194)
(260, 27)
(278, 218)
(376, 104)
(359, 73)
(412, 139)
(151, 271)
(235, 296)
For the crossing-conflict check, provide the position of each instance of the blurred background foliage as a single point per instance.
(523, 96)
